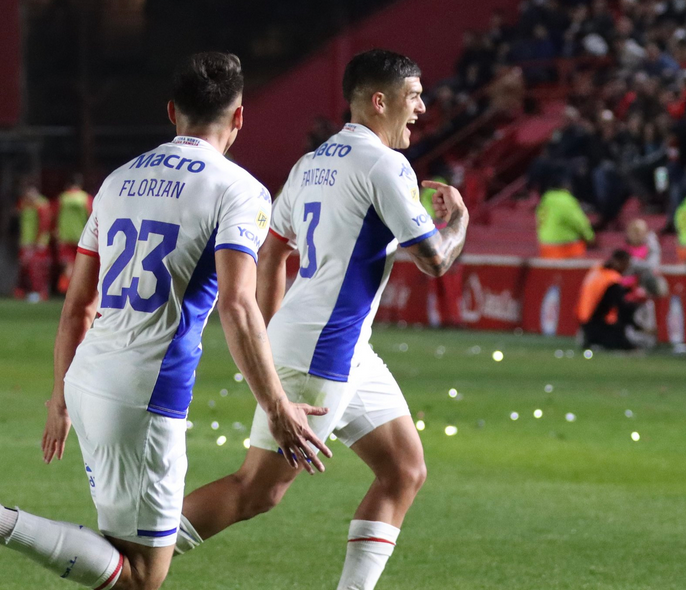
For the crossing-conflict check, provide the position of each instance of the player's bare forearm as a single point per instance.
(436, 254)
(77, 317)
(271, 287)
(244, 327)
(246, 336)
(271, 276)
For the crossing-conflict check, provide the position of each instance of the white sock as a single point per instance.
(8, 518)
(370, 544)
(68, 550)
(187, 539)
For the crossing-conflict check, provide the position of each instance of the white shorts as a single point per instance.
(370, 398)
(136, 466)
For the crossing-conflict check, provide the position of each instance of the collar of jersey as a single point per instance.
(356, 127)
(192, 141)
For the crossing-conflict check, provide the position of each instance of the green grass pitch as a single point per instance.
(522, 504)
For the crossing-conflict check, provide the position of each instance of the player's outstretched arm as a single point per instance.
(246, 335)
(436, 254)
(271, 275)
(77, 316)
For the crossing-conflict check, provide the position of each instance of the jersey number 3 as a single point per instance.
(153, 262)
(314, 210)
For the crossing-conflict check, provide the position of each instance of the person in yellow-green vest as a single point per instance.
(34, 238)
(75, 207)
(563, 228)
(680, 224)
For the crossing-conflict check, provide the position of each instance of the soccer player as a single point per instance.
(171, 231)
(345, 207)
(34, 241)
(75, 206)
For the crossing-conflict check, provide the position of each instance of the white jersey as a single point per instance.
(345, 207)
(156, 224)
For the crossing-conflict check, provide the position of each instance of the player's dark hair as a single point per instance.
(205, 84)
(377, 70)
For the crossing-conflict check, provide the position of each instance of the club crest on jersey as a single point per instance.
(262, 219)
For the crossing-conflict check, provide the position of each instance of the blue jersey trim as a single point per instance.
(157, 534)
(173, 389)
(169, 413)
(336, 344)
(330, 377)
(237, 247)
(419, 239)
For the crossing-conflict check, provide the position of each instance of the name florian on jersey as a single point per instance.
(152, 187)
(318, 176)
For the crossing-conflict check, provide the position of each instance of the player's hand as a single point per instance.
(447, 202)
(289, 427)
(56, 431)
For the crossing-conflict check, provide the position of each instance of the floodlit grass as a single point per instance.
(533, 503)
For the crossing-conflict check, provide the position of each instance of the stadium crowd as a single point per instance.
(624, 133)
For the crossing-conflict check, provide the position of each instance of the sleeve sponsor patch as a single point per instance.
(414, 194)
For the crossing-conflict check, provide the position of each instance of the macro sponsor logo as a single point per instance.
(248, 235)
(329, 150)
(171, 161)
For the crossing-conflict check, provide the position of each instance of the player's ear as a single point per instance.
(238, 118)
(171, 112)
(379, 102)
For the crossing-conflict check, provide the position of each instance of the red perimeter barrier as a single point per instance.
(507, 292)
(486, 292)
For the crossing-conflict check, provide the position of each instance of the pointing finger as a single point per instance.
(433, 184)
